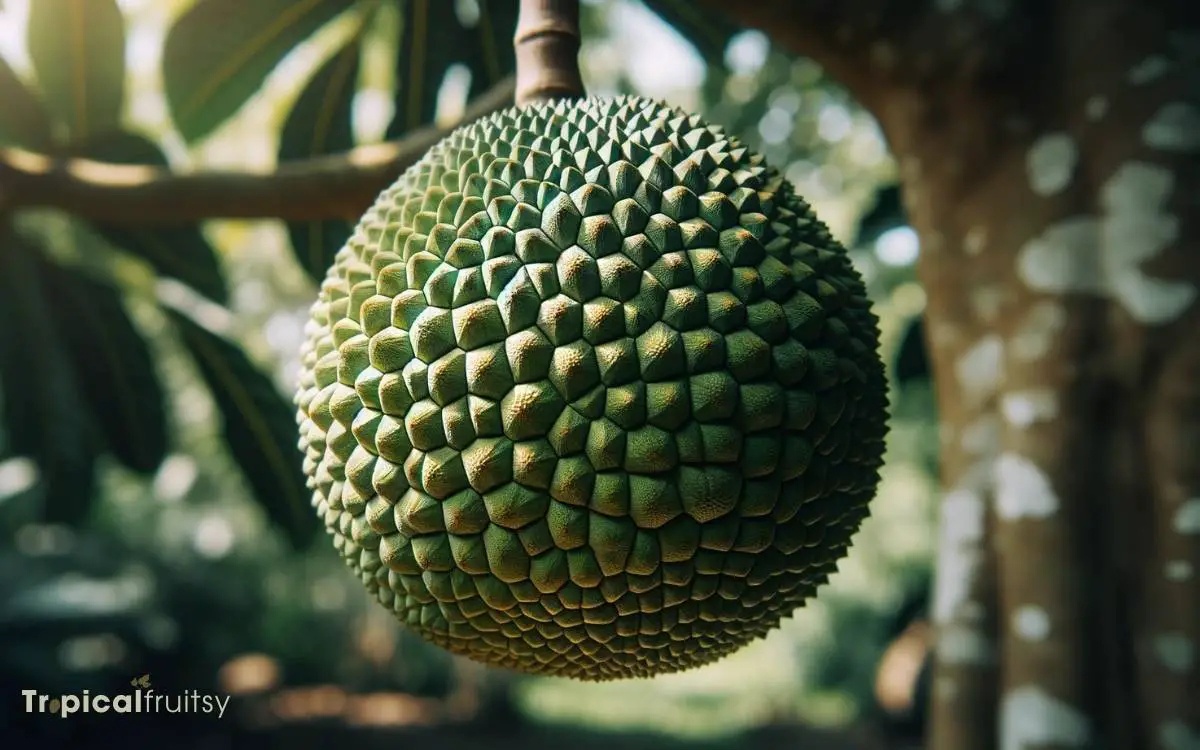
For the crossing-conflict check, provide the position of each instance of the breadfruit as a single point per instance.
(591, 392)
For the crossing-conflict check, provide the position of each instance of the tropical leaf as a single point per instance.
(492, 56)
(113, 366)
(887, 212)
(435, 38)
(430, 42)
(707, 32)
(259, 427)
(78, 53)
(23, 119)
(219, 53)
(44, 417)
(320, 123)
(180, 252)
(912, 357)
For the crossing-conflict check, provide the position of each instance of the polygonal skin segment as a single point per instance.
(591, 392)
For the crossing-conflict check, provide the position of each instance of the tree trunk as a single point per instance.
(1050, 160)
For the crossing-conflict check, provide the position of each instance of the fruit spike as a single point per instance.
(590, 392)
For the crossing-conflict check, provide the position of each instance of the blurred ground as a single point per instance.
(237, 732)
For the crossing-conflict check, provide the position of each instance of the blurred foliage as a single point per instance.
(218, 53)
(320, 123)
(81, 74)
(153, 516)
(178, 252)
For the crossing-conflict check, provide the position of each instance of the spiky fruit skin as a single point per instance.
(592, 393)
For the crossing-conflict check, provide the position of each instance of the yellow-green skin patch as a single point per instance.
(592, 393)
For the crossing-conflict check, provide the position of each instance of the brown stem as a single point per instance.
(547, 46)
(334, 186)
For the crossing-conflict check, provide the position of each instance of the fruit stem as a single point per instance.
(547, 48)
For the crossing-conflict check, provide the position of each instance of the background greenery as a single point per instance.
(152, 512)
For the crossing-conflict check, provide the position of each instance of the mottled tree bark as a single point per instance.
(1050, 159)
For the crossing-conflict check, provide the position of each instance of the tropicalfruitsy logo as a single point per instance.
(141, 700)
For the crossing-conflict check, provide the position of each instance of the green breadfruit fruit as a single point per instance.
(591, 392)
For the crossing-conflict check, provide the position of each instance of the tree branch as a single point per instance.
(547, 44)
(873, 45)
(334, 186)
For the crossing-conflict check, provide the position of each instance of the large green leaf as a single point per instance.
(259, 427)
(912, 356)
(321, 123)
(23, 120)
(886, 213)
(219, 53)
(433, 39)
(180, 252)
(492, 57)
(113, 366)
(78, 52)
(44, 417)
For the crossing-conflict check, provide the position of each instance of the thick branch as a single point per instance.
(334, 186)
(871, 46)
(547, 47)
